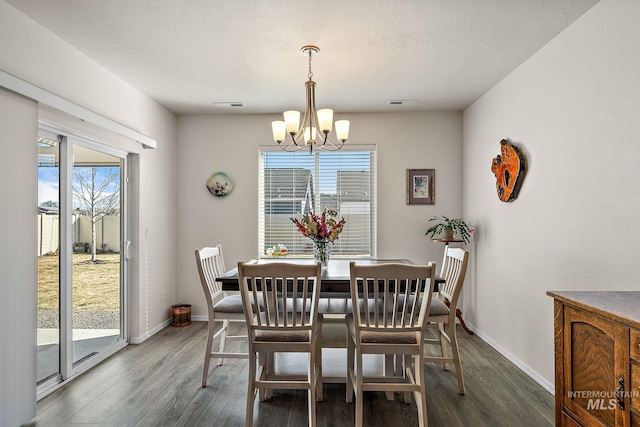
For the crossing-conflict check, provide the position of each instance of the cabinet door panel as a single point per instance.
(634, 387)
(567, 421)
(596, 352)
(634, 344)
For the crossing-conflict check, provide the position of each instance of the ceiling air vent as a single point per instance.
(403, 102)
(229, 104)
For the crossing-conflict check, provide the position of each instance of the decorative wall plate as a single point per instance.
(220, 184)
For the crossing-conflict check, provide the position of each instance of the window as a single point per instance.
(298, 182)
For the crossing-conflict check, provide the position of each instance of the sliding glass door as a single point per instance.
(96, 285)
(48, 354)
(82, 267)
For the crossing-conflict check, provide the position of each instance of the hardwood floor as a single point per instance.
(157, 383)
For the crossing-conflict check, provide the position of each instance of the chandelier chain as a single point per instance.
(310, 75)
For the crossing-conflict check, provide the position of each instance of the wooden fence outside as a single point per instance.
(107, 233)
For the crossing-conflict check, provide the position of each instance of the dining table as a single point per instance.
(335, 302)
(335, 280)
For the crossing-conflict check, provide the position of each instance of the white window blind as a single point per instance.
(295, 183)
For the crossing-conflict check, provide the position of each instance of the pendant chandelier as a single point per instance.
(305, 134)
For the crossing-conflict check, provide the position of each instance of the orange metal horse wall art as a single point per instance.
(509, 169)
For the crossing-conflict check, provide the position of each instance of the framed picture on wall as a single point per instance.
(421, 186)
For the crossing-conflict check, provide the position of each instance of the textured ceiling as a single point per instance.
(189, 54)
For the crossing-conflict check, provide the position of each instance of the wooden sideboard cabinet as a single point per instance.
(597, 358)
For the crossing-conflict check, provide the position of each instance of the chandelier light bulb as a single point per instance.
(279, 128)
(308, 140)
(292, 120)
(342, 130)
(325, 119)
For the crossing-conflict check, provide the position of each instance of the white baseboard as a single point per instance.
(523, 367)
(149, 334)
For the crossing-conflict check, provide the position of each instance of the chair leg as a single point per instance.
(318, 367)
(421, 395)
(358, 389)
(223, 338)
(443, 344)
(406, 363)
(350, 372)
(456, 356)
(389, 371)
(270, 368)
(207, 354)
(264, 361)
(311, 393)
(251, 390)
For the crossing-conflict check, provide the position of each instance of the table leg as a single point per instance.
(464, 326)
(459, 316)
(389, 370)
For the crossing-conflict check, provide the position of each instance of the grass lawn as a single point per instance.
(96, 286)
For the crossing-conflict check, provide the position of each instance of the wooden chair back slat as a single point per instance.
(393, 296)
(453, 272)
(210, 265)
(289, 293)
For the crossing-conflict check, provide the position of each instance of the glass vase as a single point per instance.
(321, 252)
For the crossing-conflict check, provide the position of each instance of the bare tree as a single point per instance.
(96, 192)
(49, 204)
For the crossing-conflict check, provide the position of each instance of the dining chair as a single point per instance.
(390, 305)
(221, 306)
(286, 322)
(443, 310)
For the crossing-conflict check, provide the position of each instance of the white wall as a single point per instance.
(574, 109)
(230, 143)
(32, 54)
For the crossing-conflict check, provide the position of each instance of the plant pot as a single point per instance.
(447, 234)
(181, 315)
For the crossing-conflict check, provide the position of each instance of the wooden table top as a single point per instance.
(335, 278)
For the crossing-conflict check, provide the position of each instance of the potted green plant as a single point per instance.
(449, 229)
